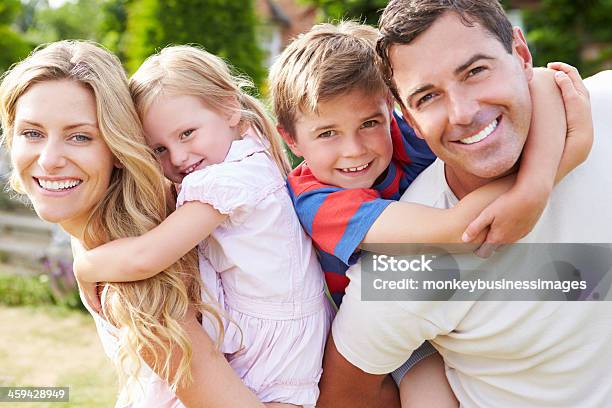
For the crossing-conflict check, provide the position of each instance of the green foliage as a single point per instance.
(17, 290)
(563, 29)
(12, 46)
(367, 11)
(223, 27)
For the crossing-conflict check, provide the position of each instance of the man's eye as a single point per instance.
(186, 133)
(159, 150)
(80, 138)
(326, 134)
(476, 71)
(424, 99)
(369, 123)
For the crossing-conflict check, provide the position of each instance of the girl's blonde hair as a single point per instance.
(148, 313)
(188, 70)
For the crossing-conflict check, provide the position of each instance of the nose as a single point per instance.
(52, 156)
(353, 146)
(462, 108)
(178, 156)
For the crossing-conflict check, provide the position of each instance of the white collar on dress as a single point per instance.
(247, 146)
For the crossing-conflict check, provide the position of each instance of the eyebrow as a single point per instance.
(456, 72)
(76, 125)
(372, 115)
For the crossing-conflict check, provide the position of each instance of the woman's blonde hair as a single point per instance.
(148, 313)
(188, 70)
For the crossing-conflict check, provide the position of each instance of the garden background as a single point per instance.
(46, 338)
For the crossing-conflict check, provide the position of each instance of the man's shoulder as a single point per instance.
(430, 188)
(600, 90)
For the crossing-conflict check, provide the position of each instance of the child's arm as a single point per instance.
(549, 155)
(137, 258)
(430, 225)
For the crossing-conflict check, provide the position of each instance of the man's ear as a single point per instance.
(290, 141)
(519, 46)
(410, 120)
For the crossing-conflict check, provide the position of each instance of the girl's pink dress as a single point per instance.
(263, 270)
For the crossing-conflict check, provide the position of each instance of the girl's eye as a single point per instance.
(31, 134)
(186, 133)
(326, 134)
(80, 138)
(159, 150)
(369, 123)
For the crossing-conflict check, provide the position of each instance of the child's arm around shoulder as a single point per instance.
(560, 139)
(137, 258)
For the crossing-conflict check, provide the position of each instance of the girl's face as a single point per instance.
(187, 136)
(58, 153)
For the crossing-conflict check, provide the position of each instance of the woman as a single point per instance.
(78, 152)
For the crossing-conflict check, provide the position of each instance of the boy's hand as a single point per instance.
(509, 218)
(577, 103)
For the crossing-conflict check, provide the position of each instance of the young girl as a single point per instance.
(218, 144)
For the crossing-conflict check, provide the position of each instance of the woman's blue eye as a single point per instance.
(31, 134)
(81, 138)
(369, 123)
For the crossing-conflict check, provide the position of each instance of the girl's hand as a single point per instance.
(89, 289)
(90, 293)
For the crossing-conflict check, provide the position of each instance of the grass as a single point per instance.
(53, 346)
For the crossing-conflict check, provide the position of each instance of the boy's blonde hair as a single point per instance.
(326, 62)
(188, 70)
(148, 312)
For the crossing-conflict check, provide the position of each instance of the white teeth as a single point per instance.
(480, 135)
(354, 169)
(58, 185)
(192, 167)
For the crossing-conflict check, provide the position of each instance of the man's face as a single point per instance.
(466, 95)
(347, 143)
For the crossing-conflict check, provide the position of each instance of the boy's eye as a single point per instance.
(159, 150)
(186, 133)
(80, 138)
(326, 134)
(369, 123)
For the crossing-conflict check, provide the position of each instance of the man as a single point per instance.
(458, 71)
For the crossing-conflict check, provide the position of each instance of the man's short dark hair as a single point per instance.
(404, 20)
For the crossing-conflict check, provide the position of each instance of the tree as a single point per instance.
(567, 30)
(366, 11)
(12, 46)
(223, 27)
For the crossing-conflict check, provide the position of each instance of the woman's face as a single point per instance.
(58, 153)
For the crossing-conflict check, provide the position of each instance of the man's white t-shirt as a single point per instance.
(528, 354)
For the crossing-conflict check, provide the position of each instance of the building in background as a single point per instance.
(282, 20)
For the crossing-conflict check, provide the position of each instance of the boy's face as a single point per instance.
(347, 143)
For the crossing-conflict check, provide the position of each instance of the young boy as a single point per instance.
(334, 109)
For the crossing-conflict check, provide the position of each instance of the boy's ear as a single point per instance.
(289, 140)
(408, 118)
(234, 118)
(519, 46)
